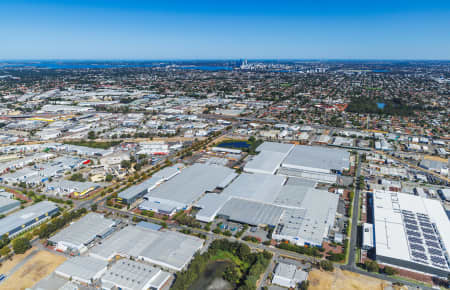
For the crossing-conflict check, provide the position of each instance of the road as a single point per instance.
(354, 230)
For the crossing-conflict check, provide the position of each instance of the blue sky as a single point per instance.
(115, 29)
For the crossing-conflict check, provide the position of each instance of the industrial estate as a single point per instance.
(224, 175)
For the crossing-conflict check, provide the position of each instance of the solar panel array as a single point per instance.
(423, 240)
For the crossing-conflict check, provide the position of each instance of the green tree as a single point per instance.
(371, 266)
(326, 265)
(21, 245)
(94, 207)
(91, 135)
(5, 251)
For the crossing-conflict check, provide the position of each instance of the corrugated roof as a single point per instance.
(84, 230)
(25, 215)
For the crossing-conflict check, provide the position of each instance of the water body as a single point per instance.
(211, 278)
(381, 106)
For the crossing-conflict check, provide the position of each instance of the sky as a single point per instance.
(226, 29)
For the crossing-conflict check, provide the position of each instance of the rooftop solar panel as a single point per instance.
(413, 233)
(417, 247)
(410, 221)
(415, 240)
(430, 237)
(426, 225)
(412, 227)
(427, 230)
(434, 251)
(419, 255)
(432, 244)
(437, 260)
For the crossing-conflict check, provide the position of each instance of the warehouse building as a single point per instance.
(82, 269)
(298, 211)
(183, 190)
(7, 205)
(130, 275)
(63, 187)
(171, 250)
(79, 234)
(287, 275)
(269, 159)
(411, 232)
(27, 218)
(314, 162)
(131, 194)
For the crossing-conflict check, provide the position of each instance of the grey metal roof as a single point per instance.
(82, 267)
(164, 248)
(191, 183)
(258, 187)
(275, 147)
(129, 274)
(164, 174)
(265, 162)
(8, 203)
(317, 157)
(251, 212)
(25, 215)
(84, 230)
(312, 218)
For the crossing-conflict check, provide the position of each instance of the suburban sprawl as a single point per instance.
(224, 175)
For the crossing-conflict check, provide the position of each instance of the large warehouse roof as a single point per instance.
(191, 183)
(25, 215)
(251, 212)
(83, 231)
(127, 274)
(150, 183)
(275, 147)
(82, 268)
(317, 158)
(411, 228)
(266, 162)
(165, 248)
(311, 220)
(257, 187)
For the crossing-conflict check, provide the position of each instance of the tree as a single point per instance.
(389, 270)
(304, 285)
(91, 135)
(326, 265)
(109, 178)
(371, 266)
(125, 164)
(21, 245)
(94, 207)
(5, 251)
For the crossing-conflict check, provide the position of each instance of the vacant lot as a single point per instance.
(38, 267)
(343, 280)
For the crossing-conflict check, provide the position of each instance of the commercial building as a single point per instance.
(78, 235)
(289, 276)
(63, 187)
(314, 162)
(269, 159)
(27, 218)
(298, 211)
(171, 250)
(8, 205)
(184, 189)
(82, 269)
(411, 232)
(131, 194)
(130, 275)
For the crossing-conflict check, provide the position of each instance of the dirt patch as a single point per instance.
(38, 267)
(343, 280)
(7, 265)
